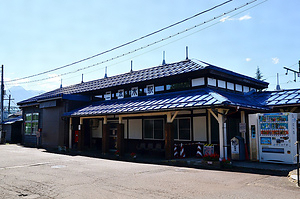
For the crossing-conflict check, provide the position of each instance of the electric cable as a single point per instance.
(122, 45)
(153, 43)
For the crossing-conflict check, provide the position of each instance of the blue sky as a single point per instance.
(37, 36)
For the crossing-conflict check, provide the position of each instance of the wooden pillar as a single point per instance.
(70, 134)
(120, 139)
(169, 141)
(105, 136)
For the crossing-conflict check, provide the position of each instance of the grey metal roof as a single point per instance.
(13, 120)
(196, 98)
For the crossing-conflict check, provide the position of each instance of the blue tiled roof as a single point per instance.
(196, 98)
(278, 98)
(133, 77)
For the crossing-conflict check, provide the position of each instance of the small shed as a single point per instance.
(13, 129)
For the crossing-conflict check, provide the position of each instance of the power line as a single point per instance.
(151, 44)
(5, 85)
(125, 44)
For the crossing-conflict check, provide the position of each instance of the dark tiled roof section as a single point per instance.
(197, 98)
(234, 74)
(123, 79)
(135, 77)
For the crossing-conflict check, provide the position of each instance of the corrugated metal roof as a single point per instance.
(197, 98)
(13, 120)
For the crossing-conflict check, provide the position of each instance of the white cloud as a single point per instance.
(275, 60)
(248, 59)
(228, 18)
(225, 18)
(246, 17)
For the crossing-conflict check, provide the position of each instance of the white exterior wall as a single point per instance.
(135, 128)
(199, 126)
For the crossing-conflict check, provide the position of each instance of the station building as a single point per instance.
(150, 110)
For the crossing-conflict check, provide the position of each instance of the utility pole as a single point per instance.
(9, 99)
(294, 71)
(2, 99)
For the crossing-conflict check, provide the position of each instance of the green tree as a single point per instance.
(258, 74)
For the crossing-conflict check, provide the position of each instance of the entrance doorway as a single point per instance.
(113, 135)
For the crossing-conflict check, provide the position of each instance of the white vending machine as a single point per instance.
(275, 135)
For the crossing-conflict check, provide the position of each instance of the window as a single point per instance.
(238, 87)
(246, 89)
(198, 82)
(182, 129)
(221, 84)
(178, 86)
(154, 129)
(99, 96)
(31, 123)
(230, 86)
(159, 88)
(211, 81)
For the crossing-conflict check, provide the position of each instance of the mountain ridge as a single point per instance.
(19, 93)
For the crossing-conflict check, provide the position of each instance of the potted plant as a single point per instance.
(212, 160)
(117, 153)
(226, 163)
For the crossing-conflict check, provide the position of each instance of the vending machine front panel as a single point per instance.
(276, 137)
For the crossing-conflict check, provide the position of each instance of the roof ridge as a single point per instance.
(106, 83)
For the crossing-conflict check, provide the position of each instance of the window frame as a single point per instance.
(178, 129)
(153, 129)
(33, 120)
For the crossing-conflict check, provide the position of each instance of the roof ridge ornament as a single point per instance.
(105, 75)
(278, 86)
(186, 52)
(131, 66)
(164, 58)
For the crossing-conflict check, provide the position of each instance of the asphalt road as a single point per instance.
(35, 173)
